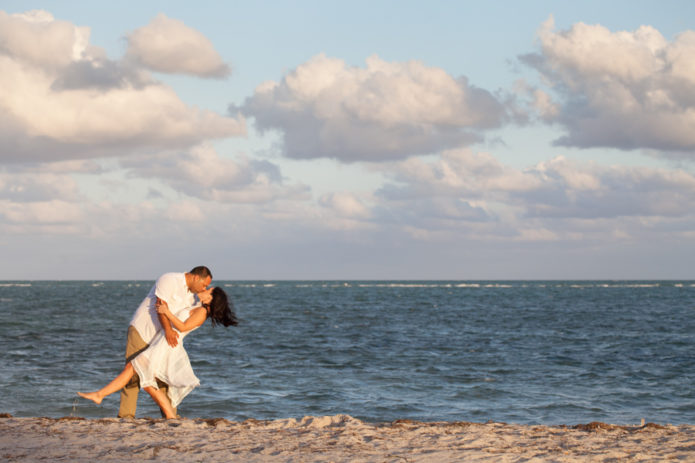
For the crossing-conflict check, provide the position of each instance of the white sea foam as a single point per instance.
(607, 285)
(404, 285)
(21, 285)
(629, 285)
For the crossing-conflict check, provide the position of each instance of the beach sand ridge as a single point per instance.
(339, 438)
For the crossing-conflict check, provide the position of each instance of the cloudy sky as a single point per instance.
(348, 140)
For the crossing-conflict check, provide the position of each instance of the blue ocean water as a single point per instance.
(551, 352)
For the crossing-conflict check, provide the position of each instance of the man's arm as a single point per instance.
(171, 335)
(195, 318)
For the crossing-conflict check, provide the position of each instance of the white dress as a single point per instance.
(169, 364)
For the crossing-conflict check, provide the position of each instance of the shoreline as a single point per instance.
(339, 438)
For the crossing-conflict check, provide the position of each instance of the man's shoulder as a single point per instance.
(171, 277)
(170, 284)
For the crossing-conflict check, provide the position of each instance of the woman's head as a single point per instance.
(221, 310)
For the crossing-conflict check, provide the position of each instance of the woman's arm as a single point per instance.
(171, 335)
(196, 317)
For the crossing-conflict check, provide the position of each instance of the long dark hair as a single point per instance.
(221, 309)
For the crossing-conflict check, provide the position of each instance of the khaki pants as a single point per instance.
(129, 394)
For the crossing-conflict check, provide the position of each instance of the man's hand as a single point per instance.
(162, 306)
(172, 337)
(205, 296)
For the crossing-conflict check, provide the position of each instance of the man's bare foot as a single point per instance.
(93, 396)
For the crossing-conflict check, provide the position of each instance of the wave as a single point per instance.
(454, 284)
(404, 285)
(611, 285)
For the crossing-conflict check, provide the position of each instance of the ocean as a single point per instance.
(528, 352)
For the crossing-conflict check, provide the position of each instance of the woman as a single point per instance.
(170, 364)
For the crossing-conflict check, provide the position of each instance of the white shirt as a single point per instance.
(170, 287)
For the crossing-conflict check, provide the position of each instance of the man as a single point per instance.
(178, 290)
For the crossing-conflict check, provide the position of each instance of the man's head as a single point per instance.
(200, 278)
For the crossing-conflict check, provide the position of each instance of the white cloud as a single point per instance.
(346, 205)
(53, 216)
(587, 190)
(36, 37)
(61, 98)
(168, 45)
(325, 108)
(36, 187)
(474, 195)
(202, 173)
(544, 105)
(626, 90)
(185, 211)
(461, 173)
(461, 195)
(22, 183)
(341, 212)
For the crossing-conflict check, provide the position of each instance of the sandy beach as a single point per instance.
(339, 438)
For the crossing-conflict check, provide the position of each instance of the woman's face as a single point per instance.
(205, 296)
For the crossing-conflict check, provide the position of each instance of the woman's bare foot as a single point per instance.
(93, 396)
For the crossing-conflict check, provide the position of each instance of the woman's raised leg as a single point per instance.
(116, 384)
(162, 400)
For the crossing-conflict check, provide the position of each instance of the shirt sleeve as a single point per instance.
(165, 287)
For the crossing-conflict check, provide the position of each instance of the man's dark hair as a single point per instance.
(201, 271)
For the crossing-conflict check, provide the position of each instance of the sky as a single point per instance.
(334, 140)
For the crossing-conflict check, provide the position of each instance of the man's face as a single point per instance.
(199, 283)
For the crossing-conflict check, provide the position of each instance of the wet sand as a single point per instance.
(339, 438)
